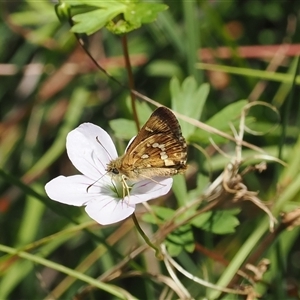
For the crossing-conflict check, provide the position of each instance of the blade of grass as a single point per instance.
(192, 37)
(170, 29)
(31, 219)
(287, 195)
(280, 77)
(285, 88)
(78, 100)
(14, 271)
(111, 289)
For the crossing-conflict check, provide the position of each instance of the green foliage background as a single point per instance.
(48, 86)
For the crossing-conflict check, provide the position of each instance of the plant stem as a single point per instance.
(131, 80)
(158, 253)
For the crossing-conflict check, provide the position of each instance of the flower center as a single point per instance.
(120, 187)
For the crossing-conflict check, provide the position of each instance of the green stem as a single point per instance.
(158, 253)
(131, 80)
(114, 290)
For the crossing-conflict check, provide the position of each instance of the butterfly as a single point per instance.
(158, 150)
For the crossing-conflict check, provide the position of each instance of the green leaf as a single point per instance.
(100, 3)
(180, 190)
(164, 68)
(135, 14)
(200, 220)
(131, 15)
(140, 13)
(228, 113)
(221, 222)
(202, 183)
(126, 129)
(123, 128)
(142, 108)
(173, 249)
(160, 215)
(188, 99)
(221, 120)
(93, 21)
(180, 239)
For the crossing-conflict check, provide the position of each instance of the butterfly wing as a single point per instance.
(159, 144)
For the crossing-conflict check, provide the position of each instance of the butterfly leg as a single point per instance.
(126, 188)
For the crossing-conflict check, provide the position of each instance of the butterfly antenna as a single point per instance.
(87, 189)
(108, 154)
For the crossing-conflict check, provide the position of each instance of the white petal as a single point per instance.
(90, 149)
(73, 190)
(108, 210)
(145, 190)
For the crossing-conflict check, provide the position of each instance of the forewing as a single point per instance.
(158, 144)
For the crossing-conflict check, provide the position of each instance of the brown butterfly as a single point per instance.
(159, 149)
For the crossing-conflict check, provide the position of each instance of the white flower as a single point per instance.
(96, 189)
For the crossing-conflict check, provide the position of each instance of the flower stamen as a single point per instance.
(120, 187)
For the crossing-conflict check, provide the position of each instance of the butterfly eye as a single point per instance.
(115, 171)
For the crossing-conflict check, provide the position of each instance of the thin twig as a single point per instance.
(131, 80)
